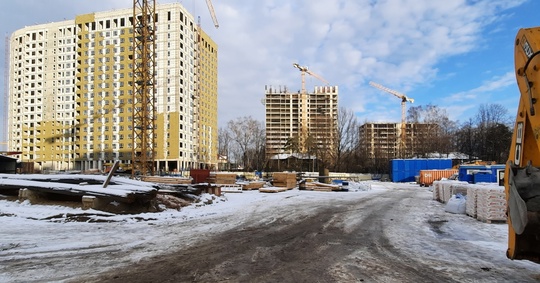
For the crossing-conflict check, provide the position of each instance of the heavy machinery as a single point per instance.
(404, 99)
(522, 174)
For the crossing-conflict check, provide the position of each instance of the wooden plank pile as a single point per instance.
(322, 187)
(166, 180)
(284, 180)
(272, 189)
(255, 185)
(221, 178)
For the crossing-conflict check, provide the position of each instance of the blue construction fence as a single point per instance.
(405, 170)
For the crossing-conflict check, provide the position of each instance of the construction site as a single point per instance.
(111, 170)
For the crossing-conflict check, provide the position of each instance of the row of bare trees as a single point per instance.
(486, 136)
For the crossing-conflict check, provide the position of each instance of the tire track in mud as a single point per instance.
(319, 247)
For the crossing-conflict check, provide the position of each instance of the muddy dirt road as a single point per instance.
(398, 235)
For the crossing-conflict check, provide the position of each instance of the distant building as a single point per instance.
(70, 92)
(301, 123)
(383, 140)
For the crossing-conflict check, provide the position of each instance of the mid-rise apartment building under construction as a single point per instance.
(70, 92)
(385, 141)
(304, 123)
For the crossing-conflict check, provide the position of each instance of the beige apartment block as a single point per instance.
(384, 140)
(71, 93)
(301, 123)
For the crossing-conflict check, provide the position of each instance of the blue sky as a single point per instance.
(456, 54)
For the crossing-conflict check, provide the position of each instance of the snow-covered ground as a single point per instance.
(51, 243)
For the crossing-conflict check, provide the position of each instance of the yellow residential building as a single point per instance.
(71, 94)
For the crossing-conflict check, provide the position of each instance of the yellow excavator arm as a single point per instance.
(522, 175)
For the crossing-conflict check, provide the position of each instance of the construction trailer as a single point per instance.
(482, 173)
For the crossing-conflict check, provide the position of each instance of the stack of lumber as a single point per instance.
(166, 180)
(230, 188)
(272, 189)
(222, 178)
(491, 204)
(284, 180)
(323, 187)
(255, 185)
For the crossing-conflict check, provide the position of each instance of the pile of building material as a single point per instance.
(491, 204)
(443, 190)
(284, 180)
(472, 203)
(485, 202)
(167, 180)
(253, 185)
(322, 187)
(222, 178)
(107, 193)
(230, 188)
(272, 189)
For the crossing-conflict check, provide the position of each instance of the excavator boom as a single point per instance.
(522, 174)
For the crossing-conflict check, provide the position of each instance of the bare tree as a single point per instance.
(492, 135)
(347, 139)
(438, 130)
(224, 144)
(246, 133)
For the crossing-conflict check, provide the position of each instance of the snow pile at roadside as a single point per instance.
(359, 186)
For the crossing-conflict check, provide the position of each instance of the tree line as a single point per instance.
(486, 136)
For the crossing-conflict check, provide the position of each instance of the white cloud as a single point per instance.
(494, 84)
(398, 43)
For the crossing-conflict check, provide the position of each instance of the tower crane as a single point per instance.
(303, 113)
(144, 89)
(305, 70)
(212, 12)
(404, 100)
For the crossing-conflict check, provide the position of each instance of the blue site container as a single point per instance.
(482, 177)
(481, 173)
(405, 170)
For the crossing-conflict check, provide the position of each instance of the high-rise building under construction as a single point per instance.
(301, 122)
(71, 92)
